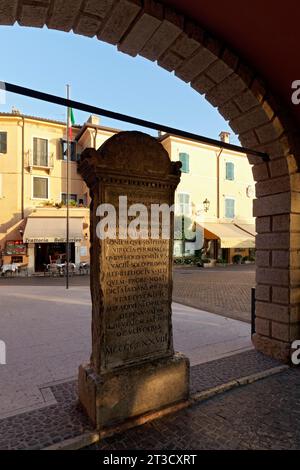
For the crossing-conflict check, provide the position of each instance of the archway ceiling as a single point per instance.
(266, 34)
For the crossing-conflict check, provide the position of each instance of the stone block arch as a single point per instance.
(156, 32)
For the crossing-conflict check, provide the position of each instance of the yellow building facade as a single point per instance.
(33, 188)
(216, 192)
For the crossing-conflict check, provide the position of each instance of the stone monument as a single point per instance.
(133, 369)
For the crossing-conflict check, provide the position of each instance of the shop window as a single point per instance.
(17, 259)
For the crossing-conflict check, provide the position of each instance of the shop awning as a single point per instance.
(52, 230)
(230, 235)
(249, 228)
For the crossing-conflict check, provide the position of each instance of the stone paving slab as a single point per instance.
(221, 290)
(47, 334)
(64, 420)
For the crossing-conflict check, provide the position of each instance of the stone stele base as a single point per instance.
(128, 392)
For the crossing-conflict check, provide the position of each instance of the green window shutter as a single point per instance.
(229, 208)
(230, 171)
(63, 149)
(184, 158)
(184, 203)
(73, 150)
(3, 142)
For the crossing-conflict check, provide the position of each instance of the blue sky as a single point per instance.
(100, 75)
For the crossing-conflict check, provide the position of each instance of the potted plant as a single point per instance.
(248, 260)
(206, 262)
(237, 259)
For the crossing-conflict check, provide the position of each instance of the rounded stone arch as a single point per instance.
(156, 32)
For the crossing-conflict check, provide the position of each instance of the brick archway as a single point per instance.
(159, 34)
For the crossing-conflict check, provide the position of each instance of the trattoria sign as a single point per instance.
(52, 240)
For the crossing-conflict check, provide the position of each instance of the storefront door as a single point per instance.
(46, 253)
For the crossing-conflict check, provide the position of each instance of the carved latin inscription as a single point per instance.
(136, 289)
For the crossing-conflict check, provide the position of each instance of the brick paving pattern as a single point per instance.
(44, 427)
(225, 291)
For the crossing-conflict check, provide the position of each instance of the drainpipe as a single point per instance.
(218, 183)
(22, 169)
(216, 243)
(95, 137)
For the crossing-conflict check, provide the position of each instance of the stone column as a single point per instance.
(31, 257)
(133, 368)
(77, 252)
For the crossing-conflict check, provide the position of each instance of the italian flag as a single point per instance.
(71, 122)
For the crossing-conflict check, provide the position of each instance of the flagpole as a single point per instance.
(67, 195)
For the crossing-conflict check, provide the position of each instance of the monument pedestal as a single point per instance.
(132, 391)
(133, 370)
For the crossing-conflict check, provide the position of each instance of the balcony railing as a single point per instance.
(39, 161)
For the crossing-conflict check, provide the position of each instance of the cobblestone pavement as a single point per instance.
(211, 374)
(44, 427)
(41, 428)
(263, 415)
(225, 291)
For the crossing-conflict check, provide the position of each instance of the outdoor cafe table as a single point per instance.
(9, 268)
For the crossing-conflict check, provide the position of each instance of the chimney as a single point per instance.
(161, 134)
(15, 110)
(225, 137)
(95, 120)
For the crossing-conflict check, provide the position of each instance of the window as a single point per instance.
(229, 208)
(184, 204)
(184, 158)
(40, 187)
(72, 197)
(40, 152)
(17, 259)
(73, 150)
(3, 142)
(85, 199)
(230, 171)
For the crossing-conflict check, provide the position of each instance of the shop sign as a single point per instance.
(52, 240)
(16, 247)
